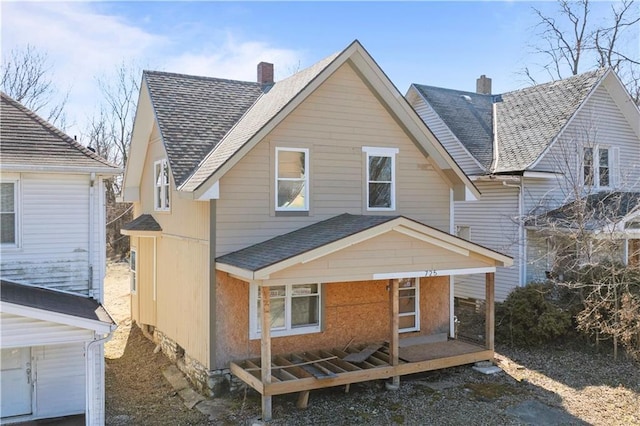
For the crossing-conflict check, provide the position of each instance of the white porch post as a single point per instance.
(490, 307)
(394, 310)
(265, 351)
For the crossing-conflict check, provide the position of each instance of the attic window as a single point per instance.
(292, 179)
(161, 185)
(381, 174)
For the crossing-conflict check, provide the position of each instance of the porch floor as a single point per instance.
(304, 371)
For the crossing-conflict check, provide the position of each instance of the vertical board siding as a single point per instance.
(60, 382)
(183, 294)
(493, 221)
(334, 123)
(146, 263)
(443, 133)
(19, 331)
(54, 233)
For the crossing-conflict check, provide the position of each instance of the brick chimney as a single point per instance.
(265, 73)
(483, 85)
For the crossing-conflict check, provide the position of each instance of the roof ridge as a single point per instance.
(56, 132)
(200, 77)
(466, 92)
(566, 80)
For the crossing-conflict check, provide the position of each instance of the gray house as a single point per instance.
(531, 151)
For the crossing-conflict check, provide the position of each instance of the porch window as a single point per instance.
(9, 213)
(295, 309)
(161, 185)
(292, 179)
(381, 170)
(409, 304)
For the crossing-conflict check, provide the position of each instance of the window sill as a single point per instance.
(287, 333)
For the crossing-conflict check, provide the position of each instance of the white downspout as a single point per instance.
(92, 181)
(89, 396)
(521, 231)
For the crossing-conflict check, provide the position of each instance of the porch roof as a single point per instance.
(335, 234)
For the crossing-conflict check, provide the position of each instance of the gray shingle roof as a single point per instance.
(527, 120)
(265, 108)
(283, 247)
(594, 211)
(53, 301)
(468, 115)
(194, 113)
(144, 222)
(28, 140)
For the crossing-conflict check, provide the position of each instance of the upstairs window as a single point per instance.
(599, 167)
(381, 171)
(161, 185)
(8, 213)
(292, 179)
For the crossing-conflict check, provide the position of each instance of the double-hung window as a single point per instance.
(294, 309)
(599, 165)
(9, 213)
(161, 185)
(381, 175)
(292, 179)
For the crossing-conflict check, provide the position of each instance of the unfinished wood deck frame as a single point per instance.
(295, 379)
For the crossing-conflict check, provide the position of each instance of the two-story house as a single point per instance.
(532, 153)
(52, 265)
(281, 227)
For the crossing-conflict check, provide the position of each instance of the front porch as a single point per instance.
(304, 371)
(317, 369)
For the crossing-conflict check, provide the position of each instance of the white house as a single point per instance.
(527, 151)
(52, 265)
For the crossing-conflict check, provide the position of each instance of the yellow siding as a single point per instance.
(390, 252)
(334, 123)
(182, 275)
(146, 269)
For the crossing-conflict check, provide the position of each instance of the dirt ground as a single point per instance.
(542, 386)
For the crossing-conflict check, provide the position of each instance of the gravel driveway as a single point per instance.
(542, 386)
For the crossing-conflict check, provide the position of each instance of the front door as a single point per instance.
(409, 305)
(15, 382)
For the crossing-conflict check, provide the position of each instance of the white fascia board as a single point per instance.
(213, 193)
(44, 315)
(433, 273)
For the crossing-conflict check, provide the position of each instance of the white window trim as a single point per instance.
(254, 332)
(613, 166)
(373, 151)
(416, 286)
(17, 212)
(306, 181)
(165, 189)
(133, 269)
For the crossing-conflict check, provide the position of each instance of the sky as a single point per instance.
(446, 44)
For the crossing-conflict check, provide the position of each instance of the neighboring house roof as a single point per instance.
(594, 211)
(143, 223)
(337, 233)
(29, 141)
(526, 121)
(468, 115)
(195, 113)
(53, 301)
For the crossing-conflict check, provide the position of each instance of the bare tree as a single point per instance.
(573, 41)
(109, 133)
(25, 77)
